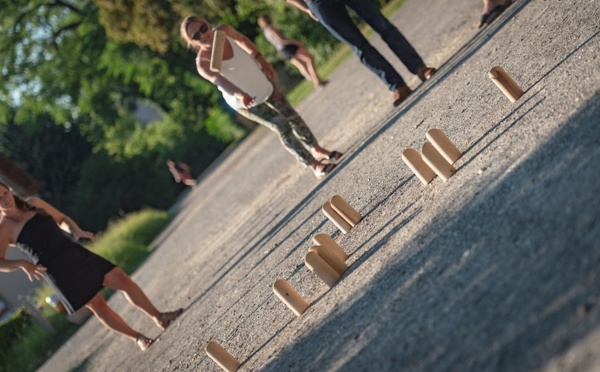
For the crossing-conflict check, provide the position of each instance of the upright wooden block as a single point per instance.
(345, 210)
(415, 162)
(317, 265)
(290, 297)
(222, 357)
(327, 241)
(216, 57)
(506, 84)
(436, 161)
(331, 258)
(334, 217)
(443, 144)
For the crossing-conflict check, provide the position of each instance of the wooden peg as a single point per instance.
(222, 357)
(436, 161)
(415, 162)
(321, 268)
(443, 144)
(334, 217)
(327, 241)
(345, 210)
(290, 297)
(216, 57)
(331, 258)
(506, 84)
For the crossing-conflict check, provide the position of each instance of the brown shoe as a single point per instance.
(425, 73)
(401, 94)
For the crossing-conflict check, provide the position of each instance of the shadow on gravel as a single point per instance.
(506, 284)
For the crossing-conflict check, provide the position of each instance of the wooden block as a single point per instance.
(436, 161)
(415, 162)
(317, 265)
(331, 258)
(506, 84)
(222, 357)
(290, 297)
(345, 210)
(218, 46)
(443, 144)
(334, 217)
(327, 241)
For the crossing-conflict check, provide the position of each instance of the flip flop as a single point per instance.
(167, 318)
(144, 342)
(335, 156)
(490, 16)
(327, 168)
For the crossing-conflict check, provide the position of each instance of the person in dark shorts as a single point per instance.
(74, 273)
(291, 50)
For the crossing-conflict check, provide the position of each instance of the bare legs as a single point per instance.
(118, 279)
(305, 63)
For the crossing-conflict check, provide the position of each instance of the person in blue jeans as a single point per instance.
(333, 15)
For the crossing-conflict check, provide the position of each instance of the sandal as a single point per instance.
(325, 170)
(425, 73)
(335, 156)
(490, 16)
(166, 319)
(144, 342)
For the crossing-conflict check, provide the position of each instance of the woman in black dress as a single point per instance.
(76, 274)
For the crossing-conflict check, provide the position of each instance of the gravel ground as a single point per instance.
(494, 270)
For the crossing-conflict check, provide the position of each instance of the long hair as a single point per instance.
(184, 34)
(19, 201)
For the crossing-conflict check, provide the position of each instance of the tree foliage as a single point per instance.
(97, 94)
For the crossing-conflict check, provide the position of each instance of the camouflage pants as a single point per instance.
(280, 117)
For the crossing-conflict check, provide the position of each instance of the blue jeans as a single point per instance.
(334, 16)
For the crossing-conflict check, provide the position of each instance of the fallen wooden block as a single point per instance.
(327, 241)
(506, 84)
(334, 217)
(222, 357)
(216, 57)
(290, 297)
(345, 210)
(436, 161)
(443, 145)
(416, 163)
(317, 265)
(331, 258)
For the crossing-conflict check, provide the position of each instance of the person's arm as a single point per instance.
(33, 271)
(61, 218)
(300, 4)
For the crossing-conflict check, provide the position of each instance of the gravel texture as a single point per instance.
(494, 270)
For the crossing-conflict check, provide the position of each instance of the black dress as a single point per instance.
(75, 273)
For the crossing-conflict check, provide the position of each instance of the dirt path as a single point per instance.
(496, 269)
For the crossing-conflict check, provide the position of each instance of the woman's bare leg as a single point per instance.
(307, 61)
(114, 322)
(118, 279)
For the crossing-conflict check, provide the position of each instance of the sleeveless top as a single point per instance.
(243, 72)
(268, 32)
(74, 273)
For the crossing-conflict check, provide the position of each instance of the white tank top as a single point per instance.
(243, 72)
(268, 32)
